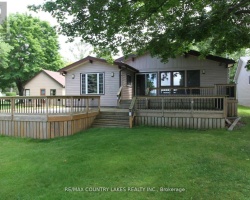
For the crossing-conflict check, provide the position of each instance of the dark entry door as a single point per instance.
(144, 81)
(193, 80)
(140, 85)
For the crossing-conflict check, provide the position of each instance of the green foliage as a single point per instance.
(10, 94)
(166, 28)
(4, 52)
(80, 50)
(35, 47)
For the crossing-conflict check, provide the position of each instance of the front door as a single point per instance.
(144, 81)
(193, 80)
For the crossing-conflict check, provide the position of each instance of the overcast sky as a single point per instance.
(20, 6)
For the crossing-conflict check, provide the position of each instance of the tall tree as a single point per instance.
(4, 53)
(35, 47)
(166, 28)
(80, 50)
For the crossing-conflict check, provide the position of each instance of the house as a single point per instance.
(242, 80)
(132, 76)
(95, 76)
(185, 92)
(45, 83)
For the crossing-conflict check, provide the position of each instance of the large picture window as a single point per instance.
(92, 83)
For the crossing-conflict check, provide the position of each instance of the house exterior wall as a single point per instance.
(127, 90)
(43, 81)
(111, 84)
(243, 86)
(214, 73)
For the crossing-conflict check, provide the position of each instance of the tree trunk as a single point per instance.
(20, 88)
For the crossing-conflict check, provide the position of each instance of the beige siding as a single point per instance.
(127, 90)
(215, 73)
(243, 87)
(111, 84)
(43, 81)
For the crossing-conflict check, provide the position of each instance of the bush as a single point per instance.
(10, 94)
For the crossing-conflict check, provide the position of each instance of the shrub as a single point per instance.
(10, 94)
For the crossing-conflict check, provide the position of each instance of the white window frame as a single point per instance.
(51, 92)
(26, 90)
(86, 82)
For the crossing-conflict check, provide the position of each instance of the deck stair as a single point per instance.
(112, 119)
(124, 104)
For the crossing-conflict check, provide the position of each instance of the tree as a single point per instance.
(35, 47)
(4, 53)
(166, 28)
(80, 50)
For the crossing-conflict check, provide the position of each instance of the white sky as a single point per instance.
(20, 6)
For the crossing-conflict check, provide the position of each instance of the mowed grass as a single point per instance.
(207, 164)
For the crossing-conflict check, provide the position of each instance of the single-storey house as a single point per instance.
(45, 83)
(134, 75)
(242, 80)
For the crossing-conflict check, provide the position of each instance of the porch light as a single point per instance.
(112, 74)
(203, 71)
(73, 76)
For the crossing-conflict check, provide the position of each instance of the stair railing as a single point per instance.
(119, 95)
(132, 112)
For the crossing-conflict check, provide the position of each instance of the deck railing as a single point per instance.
(176, 91)
(228, 90)
(178, 103)
(49, 105)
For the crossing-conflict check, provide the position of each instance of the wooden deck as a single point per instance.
(186, 112)
(47, 117)
(56, 116)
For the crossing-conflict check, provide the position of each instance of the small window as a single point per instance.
(42, 92)
(27, 92)
(53, 92)
(129, 80)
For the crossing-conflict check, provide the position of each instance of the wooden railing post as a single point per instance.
(87, 104)
(47, 107)
(99, 104)
(192, 105)
(71, 106)
(225, 106)
(12, 107)
(162, 106)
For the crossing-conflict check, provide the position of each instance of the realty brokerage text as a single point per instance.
(123, 189)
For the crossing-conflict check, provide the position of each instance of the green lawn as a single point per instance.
(207, 164)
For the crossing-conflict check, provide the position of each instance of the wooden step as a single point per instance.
(112, 119)
(124, 104)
